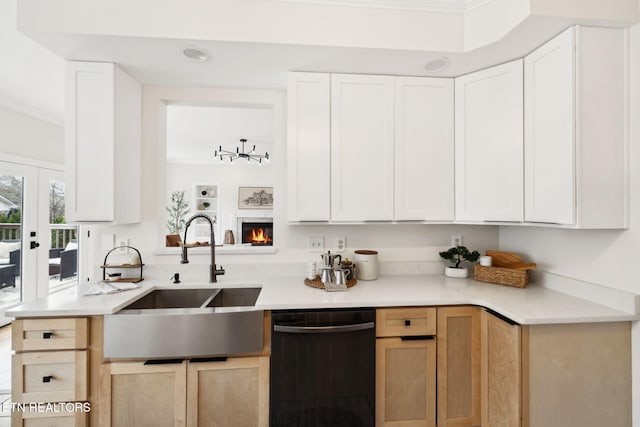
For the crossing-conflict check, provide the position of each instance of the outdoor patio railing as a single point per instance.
(61, 234)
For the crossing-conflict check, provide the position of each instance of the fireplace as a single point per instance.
(256, 231)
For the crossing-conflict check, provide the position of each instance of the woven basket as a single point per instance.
(501, 276)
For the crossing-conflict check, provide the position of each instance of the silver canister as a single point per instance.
(367, 264)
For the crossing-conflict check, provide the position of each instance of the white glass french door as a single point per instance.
(18, 219)
(36, 244)
(59, 246)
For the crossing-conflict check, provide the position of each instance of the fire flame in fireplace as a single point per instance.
(258, 236)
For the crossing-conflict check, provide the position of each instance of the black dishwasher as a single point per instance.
(323, 368)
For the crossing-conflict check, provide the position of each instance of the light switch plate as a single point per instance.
(315, 243)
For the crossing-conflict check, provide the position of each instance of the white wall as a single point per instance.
(31, 76)
(605, 257)
(503, 15)
(28, 137)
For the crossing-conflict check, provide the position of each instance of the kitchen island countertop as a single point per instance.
(532, 305)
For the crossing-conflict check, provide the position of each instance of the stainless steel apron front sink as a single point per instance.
(182, 323)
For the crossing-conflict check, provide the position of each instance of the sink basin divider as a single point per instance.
(211, 297)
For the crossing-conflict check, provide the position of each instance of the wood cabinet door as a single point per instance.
(501, 373)
(135, 394)
(458, 366)
(308, 147)
(405, 383)
(231, 393)
(549, 139)
(423, 147)
(361, 148)
(488, 144)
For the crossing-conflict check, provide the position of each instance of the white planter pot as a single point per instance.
(459, 273)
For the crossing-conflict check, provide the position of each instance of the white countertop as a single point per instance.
(532, 305)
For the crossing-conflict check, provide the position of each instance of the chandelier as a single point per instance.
(238, 154)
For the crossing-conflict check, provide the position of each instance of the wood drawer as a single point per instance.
(402, 322)
(45, 419)
(49, 334)
(54, 376)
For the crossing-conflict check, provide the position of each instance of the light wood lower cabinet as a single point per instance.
(230, 393)
(576, 375)
(49, 372)
(458, 366)
(555, 375)
(501, 372)
(233, 393)
(405, 382)
(48, 419)
(135, 394)
(406, 367)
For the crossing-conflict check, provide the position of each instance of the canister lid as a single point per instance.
(366, 252)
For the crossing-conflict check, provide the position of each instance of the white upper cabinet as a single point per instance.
(361, 147)
(103, 144)
(423, 126)
(308, 147)
(575, 140)
(489, 144)
(549, 132)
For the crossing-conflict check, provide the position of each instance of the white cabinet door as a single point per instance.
(308, 147)
(423, 128)
(549, 93)
(103, 144)
(89, 141)
(488, 144)
(361, 148)
(575, 120)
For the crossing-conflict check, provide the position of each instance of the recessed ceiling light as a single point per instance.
(195, 54)
(437, 64)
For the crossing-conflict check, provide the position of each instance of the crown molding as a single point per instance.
(448, 6)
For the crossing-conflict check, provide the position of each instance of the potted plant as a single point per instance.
(178, 210)
(455, 256)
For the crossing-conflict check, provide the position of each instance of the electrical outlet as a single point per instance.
(121, 241)
(339, 244)
(456, 240)
(315, 243)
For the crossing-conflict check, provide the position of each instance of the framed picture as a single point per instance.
(255, 197)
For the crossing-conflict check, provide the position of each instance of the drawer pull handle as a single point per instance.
(47, 335)
(47, 379)
(407, 322)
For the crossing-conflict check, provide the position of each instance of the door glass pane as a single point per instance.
(11, 202)
(63, 255)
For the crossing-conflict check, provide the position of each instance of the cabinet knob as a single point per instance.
(47, 379)
(407, 322)
(47, 335)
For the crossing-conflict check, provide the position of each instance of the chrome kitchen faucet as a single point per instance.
(213, 270)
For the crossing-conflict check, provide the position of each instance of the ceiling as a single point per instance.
(159, 61)
(32, 77)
